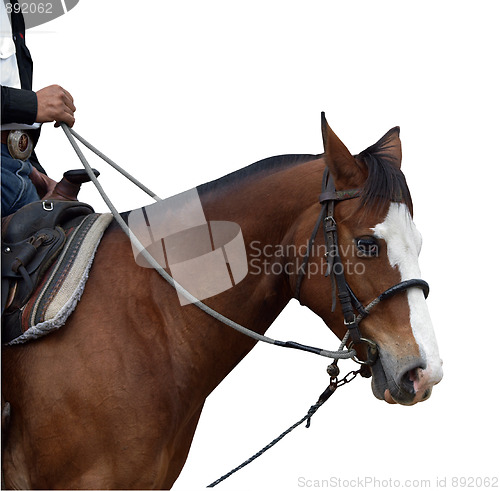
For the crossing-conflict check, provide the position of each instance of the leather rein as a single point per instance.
(335, 269)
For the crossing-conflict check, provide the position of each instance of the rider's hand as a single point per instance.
(55, 104)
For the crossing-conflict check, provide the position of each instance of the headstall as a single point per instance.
(335, 269)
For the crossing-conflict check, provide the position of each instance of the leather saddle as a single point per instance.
(33, 236)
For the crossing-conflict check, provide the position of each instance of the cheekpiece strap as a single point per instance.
(335, 269)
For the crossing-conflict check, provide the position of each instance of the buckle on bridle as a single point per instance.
(329, 227)
(353, 328)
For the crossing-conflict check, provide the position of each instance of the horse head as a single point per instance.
(378, 245)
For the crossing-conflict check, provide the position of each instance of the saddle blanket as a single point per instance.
(62, 286)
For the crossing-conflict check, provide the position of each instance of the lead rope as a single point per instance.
(337, 355)
(334, 385)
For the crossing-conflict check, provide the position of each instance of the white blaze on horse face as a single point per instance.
(403, 247)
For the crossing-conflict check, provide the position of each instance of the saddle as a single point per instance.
(33, 237)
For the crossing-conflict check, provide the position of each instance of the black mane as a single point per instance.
(385, 180)
(268, 165)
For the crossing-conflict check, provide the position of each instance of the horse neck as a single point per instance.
(269, 208)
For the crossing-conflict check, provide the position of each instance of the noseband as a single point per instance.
(335, 270)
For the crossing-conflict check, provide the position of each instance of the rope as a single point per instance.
(258, 454)
(334, 385)
(312, 410)
(113, 164)
(338, 355)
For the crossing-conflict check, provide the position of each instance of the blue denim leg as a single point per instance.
(17, 188)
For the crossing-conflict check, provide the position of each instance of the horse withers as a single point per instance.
(112, 399)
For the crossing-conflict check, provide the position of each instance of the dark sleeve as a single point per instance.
(18, 106)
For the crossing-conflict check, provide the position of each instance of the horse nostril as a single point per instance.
(406, 382)
(409, 378)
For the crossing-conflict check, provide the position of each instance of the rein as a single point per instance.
(71, 135)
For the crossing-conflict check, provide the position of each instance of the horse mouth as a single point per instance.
(398, 388)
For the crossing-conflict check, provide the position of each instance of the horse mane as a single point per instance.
(268, 166)
(385, 180)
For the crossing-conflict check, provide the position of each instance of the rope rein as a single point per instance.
(71, 135)
(341, 353)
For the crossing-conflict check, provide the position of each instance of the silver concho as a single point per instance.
(20, 144)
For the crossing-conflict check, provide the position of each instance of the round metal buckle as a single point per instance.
(372, 352)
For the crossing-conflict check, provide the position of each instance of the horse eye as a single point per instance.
(367, 246)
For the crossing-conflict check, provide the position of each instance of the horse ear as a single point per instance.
(388, 148)
(339, 160)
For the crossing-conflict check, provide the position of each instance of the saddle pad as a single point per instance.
(62, 286)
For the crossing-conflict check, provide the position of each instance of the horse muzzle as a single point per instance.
(404, 381)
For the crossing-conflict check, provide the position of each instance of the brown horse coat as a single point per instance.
(113, 398)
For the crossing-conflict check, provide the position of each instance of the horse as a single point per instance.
(113, 398)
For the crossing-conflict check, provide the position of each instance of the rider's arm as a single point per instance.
(52, 103)
(18, 105)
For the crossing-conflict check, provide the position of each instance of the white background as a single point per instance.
(181, 93)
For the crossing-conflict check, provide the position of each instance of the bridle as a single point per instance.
(335, 269)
